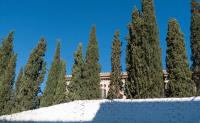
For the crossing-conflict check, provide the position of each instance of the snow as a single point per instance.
(163, 110)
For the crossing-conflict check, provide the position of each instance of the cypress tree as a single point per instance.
(47, 98)
(7, 74)
(116, 83)
(60, 94)
(137, 84)
(129, 85)
(195, 43)
(77, 86)
(180, 83)
(34, 72)
(154, 56)
(92, 68)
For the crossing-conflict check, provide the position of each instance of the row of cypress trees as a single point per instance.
(85, 80)
(25, 93)
(143, 61)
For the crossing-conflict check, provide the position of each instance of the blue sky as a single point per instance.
(71, 21)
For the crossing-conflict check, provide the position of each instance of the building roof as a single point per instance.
(105, 75)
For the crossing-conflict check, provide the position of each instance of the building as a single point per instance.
(105, 82)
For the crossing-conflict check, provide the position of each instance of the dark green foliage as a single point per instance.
(92, 68)
(7, 74)
(180, 83)
(55, 91)
(77, 85)
(6, 52)
(33, 76)
(8, 85)
(154, 54)
(6, 92)
(17, 91)
(137, 85)
(18, 81)
(47, 98)
(143, 61)
(195, 43)
(116, 83)
(60, 94)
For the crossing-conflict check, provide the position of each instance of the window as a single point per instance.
(104, 93)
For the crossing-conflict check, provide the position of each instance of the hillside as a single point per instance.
(168, 110)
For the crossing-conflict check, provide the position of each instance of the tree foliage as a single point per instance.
(17, 91)
(116, 84)
(33, 76)
(92, 68)
(7, 74)
(47, 98)
(77, 85)
(143, 60)
(154, 55)
(137, 84)
(180, 83)
(195, 42)
(60, 94)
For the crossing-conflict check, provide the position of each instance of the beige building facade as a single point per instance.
(105, 82)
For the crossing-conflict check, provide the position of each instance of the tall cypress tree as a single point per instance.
(34, 72)
(129, 85)
(180, 83)
(137, 84)
(52, 80)
(92, 68)
(116, 83)
(77, 85)
(60, 94)
(195, 42)
(154, 56)
(7, 74)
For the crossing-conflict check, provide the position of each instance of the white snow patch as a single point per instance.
(72, 111)
(108, 110)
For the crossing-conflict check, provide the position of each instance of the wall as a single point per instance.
(168, 110)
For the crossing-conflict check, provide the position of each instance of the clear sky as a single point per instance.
(71, 21)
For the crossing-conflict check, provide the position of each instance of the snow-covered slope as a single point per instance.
(168, 110)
